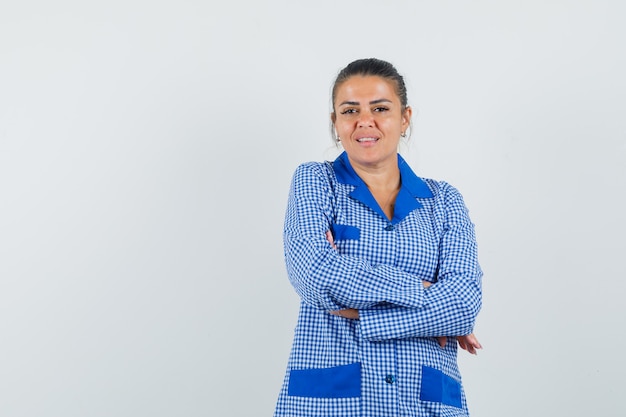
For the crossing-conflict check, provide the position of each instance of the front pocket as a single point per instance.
(439, 387)
(337, 382)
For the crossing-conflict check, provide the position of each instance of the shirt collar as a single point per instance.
(412, 187)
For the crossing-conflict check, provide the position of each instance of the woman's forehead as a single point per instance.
(366, 87)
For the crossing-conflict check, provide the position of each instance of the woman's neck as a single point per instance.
(379, 178)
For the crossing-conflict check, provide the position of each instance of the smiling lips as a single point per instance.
(361, 140)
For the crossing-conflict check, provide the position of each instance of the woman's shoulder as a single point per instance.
(314, 175)
(442, 190)
(438, 186)
(314, 165)
(314, 169)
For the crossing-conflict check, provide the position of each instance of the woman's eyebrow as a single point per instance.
(380, 100)
(356, 103)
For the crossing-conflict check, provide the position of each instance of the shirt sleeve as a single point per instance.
(323, 278)
(450, 306)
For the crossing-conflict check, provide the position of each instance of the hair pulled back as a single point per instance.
(372, 67)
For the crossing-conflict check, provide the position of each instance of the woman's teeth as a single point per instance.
(367, 140)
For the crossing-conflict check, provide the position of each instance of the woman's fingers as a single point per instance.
(330, 239)
(462, 343)
(469, 342)
(442, 340)
(348, 313)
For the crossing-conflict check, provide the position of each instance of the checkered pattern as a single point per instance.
(378, 271)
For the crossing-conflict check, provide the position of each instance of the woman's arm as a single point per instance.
(451, 304)
(321, 276)
(391, 303)
(468, 342)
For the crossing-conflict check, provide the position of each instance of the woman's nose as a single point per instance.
(366, 119)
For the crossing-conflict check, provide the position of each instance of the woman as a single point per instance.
(385, 264)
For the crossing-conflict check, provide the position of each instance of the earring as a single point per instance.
(403, 134)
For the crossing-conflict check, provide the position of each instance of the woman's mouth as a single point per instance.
(361, 140)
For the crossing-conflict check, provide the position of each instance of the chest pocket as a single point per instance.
(346, 232)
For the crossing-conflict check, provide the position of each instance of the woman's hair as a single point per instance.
(372, 67)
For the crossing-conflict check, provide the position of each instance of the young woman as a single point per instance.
(385, 264)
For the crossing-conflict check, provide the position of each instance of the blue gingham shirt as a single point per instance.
(387, 363)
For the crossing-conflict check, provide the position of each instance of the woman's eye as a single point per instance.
(348, 111)
(380, 109)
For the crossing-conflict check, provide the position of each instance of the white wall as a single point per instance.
(145, 154)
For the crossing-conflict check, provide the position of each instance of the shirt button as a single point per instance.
(389, 227)
(390, 379)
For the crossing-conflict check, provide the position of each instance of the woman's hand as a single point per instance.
(467, 342)
(348, 313)
(330, 239)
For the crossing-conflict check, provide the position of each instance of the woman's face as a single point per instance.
(369, 120)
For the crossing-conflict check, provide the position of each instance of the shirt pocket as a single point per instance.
(438, 387)
(345, 232)
(336, 382)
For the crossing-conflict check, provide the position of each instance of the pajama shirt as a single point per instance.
(387, 363)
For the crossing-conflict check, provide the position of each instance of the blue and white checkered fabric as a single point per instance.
(387, 363)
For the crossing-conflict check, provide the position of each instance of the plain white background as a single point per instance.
(146, 149)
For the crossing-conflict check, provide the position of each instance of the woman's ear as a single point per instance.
(333, 130)
(406, 117)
